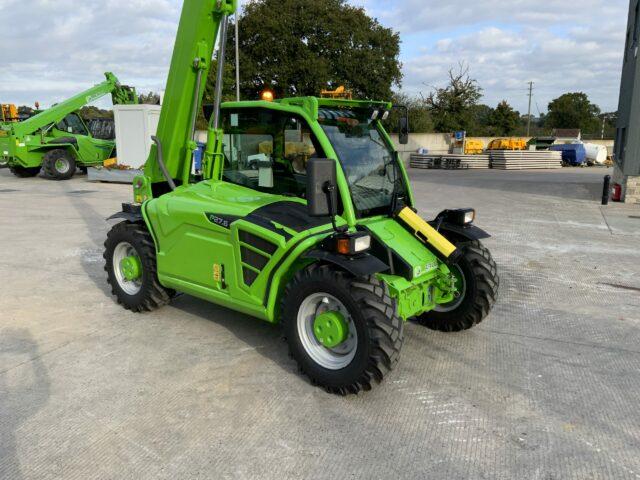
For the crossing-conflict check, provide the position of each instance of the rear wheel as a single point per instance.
(130, 263)
(25, 172)
(477, 281)
(59, 164)
(344, 332)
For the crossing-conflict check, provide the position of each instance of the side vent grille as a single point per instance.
(255, 253)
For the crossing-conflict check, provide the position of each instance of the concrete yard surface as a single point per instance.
(548, 387)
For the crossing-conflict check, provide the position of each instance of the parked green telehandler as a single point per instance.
(322, 236)
(57, 139)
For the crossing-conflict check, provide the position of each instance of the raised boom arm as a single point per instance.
(200, 24)
(120, 95)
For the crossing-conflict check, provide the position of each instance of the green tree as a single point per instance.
(504, 120)
(150, 98)
(300, 47)
(573, 110)
(91, 112)
(419, 116)
(453, 107)
(481, 121)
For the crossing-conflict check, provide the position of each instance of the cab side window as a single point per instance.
(267, 150)
(72, 124)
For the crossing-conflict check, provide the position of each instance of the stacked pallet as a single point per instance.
(525, 160)
(449, 161)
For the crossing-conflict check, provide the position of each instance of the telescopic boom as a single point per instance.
(120, 95)
(201, 23)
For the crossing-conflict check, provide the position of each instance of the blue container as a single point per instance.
(572, 154)
(198, 155)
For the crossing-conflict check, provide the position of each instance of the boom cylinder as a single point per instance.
(220, 73)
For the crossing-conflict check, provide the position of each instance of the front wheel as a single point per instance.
(130, 263)
(344, 332)
(477, 281)
(59, 164)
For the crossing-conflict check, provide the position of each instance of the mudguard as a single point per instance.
(131, 213)
(457, 233)
(361, 265)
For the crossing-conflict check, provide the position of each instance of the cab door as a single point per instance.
(266, 151)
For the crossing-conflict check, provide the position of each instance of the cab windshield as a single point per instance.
(369, 162)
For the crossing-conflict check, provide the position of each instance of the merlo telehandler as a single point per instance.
(57, 139)
(322, 236)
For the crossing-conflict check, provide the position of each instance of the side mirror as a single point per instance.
(403, 129)
(322, 192)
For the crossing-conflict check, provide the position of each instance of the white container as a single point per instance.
(135, 124)
(596, 153)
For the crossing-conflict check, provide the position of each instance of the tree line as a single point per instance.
(457, 107)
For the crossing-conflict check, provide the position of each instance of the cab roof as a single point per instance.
(311, 105)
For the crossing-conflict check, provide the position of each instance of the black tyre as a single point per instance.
(130, 263)
(369, 347)
(59, 164)
(478, 281)
(25, 172)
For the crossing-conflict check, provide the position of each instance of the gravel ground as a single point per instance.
(547, 387)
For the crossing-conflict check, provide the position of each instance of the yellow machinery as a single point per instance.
(340, 92)
(9, 112)
(473, 146)
(508, 144)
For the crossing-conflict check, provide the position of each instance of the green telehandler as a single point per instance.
(57, 139)
(302, 214)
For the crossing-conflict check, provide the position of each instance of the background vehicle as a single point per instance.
(322, 239)
(8, 113)
(57, 139)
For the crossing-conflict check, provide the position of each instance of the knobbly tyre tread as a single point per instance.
(486, 293)
(25, 172)
(385, 328)
(153, 295)
(49, 164)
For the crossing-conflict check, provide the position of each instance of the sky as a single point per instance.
(64, 46)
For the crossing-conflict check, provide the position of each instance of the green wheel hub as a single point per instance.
(61, 165)
(458, 280)
(460, 284)
(131, 268)
(330, 329)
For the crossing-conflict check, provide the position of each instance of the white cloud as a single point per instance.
(64, 46)
(503, 61)
(420, 15)
(561, 46)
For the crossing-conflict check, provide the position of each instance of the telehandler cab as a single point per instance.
(321, 236)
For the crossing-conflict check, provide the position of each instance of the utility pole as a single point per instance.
(604, 121)
(237, 59)
(529, 113)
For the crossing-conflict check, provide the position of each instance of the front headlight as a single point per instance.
(469, 216)
(461, 216)
(361, 244)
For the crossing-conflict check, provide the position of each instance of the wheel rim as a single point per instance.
(62, 165)
(317, 305)
(461, 285)
(127, 268)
